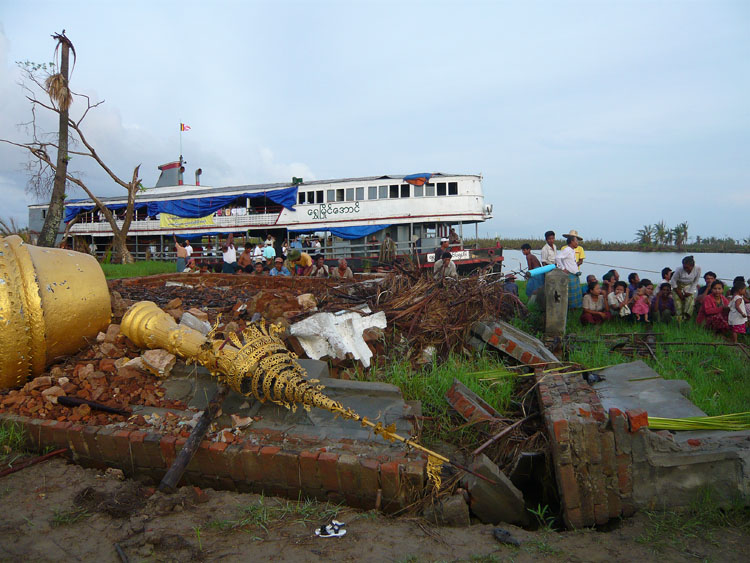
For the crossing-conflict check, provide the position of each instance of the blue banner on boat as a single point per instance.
(346, 233)
(195, 207)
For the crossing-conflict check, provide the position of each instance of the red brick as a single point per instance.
(637, 419)
(168, 453)
(624, 475)
(369, 475)
(219, 462)
(601, 514)
(76, 442)
(526, 358)
(327, 466)
(60, 434)
(107, 445)
(494, 340)
(573, 518)
(560, 428)
(609, 462)
(89, 436)
(391, 485)
(234, 462)
(348, 470)
(613, 503)
(150, 456)
(694, 442)
(251, 463)
(287, 466)
(47, 433)
(122, 445)
(568, 486)
(310, 476)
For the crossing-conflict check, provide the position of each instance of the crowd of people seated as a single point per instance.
(678, 296)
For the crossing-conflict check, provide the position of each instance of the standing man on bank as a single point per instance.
(549, 251)
(566, 261)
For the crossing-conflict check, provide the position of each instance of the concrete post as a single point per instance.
(556, 303)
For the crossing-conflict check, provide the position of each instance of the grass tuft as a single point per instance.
(67, 517)
(430, 384)
(137, 269)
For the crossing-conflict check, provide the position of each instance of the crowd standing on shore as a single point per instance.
(679, 296)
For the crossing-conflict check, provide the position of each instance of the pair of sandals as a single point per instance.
(334, 529)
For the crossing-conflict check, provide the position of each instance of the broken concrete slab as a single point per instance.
(337, 334)
(513, 341)
(636, 386)
(379, 402)
(492, 504)
(451, 511)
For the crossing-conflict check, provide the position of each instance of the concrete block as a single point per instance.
(453, 511)
(494, 503)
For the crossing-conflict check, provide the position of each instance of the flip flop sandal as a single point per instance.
(330, 532)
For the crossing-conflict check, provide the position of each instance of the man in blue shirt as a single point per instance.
(279, 269)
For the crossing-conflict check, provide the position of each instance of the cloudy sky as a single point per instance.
(598, 116)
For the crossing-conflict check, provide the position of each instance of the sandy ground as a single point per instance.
(43, 521)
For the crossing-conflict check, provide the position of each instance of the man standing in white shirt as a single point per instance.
(229, 253)
(566, 261)
(549, 252)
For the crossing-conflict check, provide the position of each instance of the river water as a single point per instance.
(647, 264)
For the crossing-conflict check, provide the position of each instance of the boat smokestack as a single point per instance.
(198, 176)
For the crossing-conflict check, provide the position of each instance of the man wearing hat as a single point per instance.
(440, 250)
(301, 262)
(580, 254)
(278, 268)
(566, 261)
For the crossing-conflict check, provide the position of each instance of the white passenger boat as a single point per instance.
(350, 216)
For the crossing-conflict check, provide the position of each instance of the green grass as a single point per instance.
(701, 520)
(143, 268)
(267, 512)
(430, 384)
(717, 374)
(67, 517)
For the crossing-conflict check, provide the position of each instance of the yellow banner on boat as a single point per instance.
(169, 221)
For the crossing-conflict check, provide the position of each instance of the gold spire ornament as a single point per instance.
(51, 301)
(257, 365)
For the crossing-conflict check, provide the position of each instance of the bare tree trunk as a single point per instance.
(48, 235)
(121, 253)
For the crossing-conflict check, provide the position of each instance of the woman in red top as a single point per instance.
(714, 311)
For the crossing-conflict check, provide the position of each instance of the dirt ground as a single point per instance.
(59, 511)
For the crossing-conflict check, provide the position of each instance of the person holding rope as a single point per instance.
(566, 261)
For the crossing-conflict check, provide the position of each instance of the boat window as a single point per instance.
(404, 190)
(331, 195)
(441, 188)
(301, 197)
(452, 188)
(418, 191)
(372, 192)
(383, 192)
(394, 190)
(339, 194)
(430, 190)
(318, 197)
(360, 194)
(349, 194)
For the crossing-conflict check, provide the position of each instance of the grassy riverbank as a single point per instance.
(598, 244)
(718, 375)
(143, 268)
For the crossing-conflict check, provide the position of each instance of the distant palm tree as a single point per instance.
(645, 235)
(663, 234)
(680, 233)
